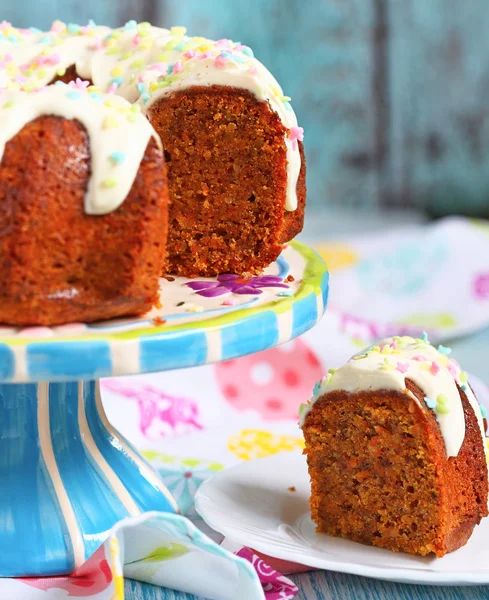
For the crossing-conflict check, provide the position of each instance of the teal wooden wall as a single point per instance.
(393, 94)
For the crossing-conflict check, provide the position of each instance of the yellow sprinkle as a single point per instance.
(110, 182)
(135, 108)
(359, 356)
(375, 349)
(117, 71)
(146, 44)
(137, 64)
(94, 89)
(113, 51)
(110, 43)
(425, 366)
(115, 34)
(463, 377)
(132, 118)
(386, 366)
(110, 103)
(153, 86)
(8, 104)
(144, 25)
(110, 122)
(386, 350)
(443, 360)
(61, 72)
(178, 31)
(41, 73)
(164, 57)
(206, 47)
(126, 55)
(331, 371)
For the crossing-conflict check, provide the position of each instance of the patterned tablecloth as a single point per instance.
(191, 424)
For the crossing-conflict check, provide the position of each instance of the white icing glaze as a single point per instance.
(142, 62)
(387, 366)
(115, 130)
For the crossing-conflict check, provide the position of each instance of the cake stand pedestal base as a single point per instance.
(66, 477)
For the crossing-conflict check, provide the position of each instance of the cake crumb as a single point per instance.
(292, 488)
(158, 321)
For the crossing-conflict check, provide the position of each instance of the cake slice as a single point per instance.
(396, 450)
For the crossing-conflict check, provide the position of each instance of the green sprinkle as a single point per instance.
(463, 377)
(442, 409)
(110, 182)
(8, 104)
(442, 399)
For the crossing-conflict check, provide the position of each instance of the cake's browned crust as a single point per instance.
(380, 474)
(70, 74)
(58, 263)
(227, 162)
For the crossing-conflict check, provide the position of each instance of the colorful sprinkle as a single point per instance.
(424, 337)
(110, 182)
(430, 403)
(444, 350)
(483, 411)
(402, 367)
(117, 157)
(435, 368)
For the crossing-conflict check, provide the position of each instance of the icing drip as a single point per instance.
(388, 364)
(143, 63)
(118, 134)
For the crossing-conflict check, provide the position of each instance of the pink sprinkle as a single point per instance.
(452, 370)
(230, 302)
(223, 42)
(420, 358)
(79, 84)
(5, 25)
(97, 44)
(190, 54)
(454, 362)
(296, 134)
(435, 368)
(160, 67)
(140, 79)
(177, 67)
(394, 345)
(136, 40)
(85, 29)
(204, 55)
(220, 62)
(239, 47)
(57, 27)
(21, 78)
(402, 367)
(112, 88)
(253, 71)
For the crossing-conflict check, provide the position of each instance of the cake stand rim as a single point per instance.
(303, 310)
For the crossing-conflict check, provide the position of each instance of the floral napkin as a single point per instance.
(191, 425)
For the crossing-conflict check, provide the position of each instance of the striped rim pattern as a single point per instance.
(137, 346)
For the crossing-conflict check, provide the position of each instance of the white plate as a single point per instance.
(251, 504)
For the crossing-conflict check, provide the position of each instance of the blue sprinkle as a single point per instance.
(286, 293)
(117, 80)
(179, 47)
(140, 87)
(483, 411)
(225, 54)
(145, 97)
(92, 23)
(45, 40)
(130, 25)
(2, 36)
(237, 58)
(316, 389)
(248, 51)
(118, 157)
(95, 96)
(430, 403)
(60, 83)
(444, 350)
(74, 95)
(424, 337)
(169, 70)
(464, 387)
(73, 27)
(288, 105)
(13, 39)
(34, 30)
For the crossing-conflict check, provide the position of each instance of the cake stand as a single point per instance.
(66, 475)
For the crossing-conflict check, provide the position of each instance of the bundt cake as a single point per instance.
(236, 167)
(396, 450)
(83, 207)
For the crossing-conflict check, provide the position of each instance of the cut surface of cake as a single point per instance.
(83, 207)
(233, 148)
(396, 450)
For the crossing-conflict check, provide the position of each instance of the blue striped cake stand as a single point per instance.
(66, 475)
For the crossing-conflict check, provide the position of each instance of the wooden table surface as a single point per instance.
(473, 353)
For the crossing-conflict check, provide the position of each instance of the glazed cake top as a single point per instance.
(386, 366)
